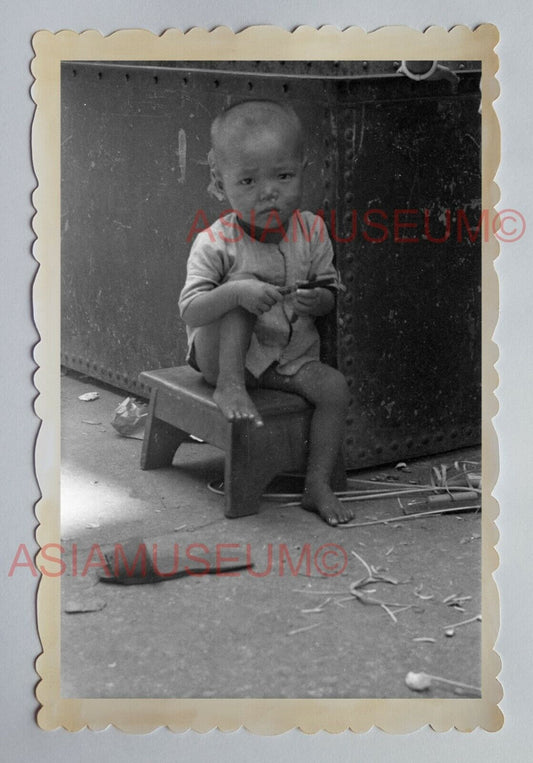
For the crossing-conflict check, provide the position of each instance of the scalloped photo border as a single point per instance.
(260, 716)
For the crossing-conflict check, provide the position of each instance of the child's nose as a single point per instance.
(269, 190)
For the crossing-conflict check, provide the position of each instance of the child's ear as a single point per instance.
(215, 187)
(305, 162)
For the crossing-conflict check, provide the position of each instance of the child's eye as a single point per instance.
(246, 181)
(286, 175)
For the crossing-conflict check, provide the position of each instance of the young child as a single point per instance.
(243, 327)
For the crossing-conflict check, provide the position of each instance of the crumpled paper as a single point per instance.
(130, 418)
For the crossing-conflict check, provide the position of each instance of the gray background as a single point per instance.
(21, 738)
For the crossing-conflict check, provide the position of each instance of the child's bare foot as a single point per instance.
(319, 498)
(235, 403)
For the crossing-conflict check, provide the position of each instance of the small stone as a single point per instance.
(417, 681)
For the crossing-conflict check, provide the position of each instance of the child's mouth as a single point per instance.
(273, 212)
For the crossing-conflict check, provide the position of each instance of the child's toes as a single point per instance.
(346, 516)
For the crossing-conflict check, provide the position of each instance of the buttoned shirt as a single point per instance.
(225, 252)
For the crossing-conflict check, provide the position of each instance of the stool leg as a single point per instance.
(161, 440)
(252, 461)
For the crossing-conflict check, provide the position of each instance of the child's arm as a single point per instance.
(209, 306)
(207, 295)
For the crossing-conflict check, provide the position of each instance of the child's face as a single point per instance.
(262, 175)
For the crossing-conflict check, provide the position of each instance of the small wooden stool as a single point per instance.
(181, 403)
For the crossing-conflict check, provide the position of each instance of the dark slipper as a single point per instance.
(138, 561)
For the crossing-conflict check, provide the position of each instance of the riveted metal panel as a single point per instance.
(409, 323)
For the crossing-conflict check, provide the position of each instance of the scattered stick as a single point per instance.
(319, 608)
(347, 496)
(454, 600)
(373, 576)
(321, 593)
(477, 618)
(405, 517)
(425, 639)
(301, 630)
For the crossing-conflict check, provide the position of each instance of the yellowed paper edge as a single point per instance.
(261, 716)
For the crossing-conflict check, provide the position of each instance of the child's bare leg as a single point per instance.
(221, 354)
(327, 390)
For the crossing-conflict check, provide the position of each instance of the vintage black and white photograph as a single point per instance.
(271, 379)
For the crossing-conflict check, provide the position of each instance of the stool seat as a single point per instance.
(181, 404)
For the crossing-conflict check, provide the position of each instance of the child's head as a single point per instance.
(258, 160)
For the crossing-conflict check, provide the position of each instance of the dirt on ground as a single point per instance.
(293, 625)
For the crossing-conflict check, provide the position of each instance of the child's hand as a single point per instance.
(313, 301)
(256, 296)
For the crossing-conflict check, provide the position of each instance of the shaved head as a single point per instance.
(253, 119)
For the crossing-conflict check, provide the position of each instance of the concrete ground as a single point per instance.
(247, 635)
